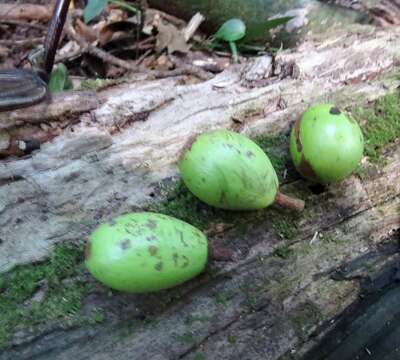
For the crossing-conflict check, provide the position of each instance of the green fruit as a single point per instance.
(143, 252)
(229, 171)
(326, 145)
(231, 30)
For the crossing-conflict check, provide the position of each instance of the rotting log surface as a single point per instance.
(258, 306)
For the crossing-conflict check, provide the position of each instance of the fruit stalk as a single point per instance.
(234, 52)
(289, 202)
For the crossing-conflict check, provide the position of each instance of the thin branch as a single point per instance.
(23, 24)
(192, 26)
(25, 42)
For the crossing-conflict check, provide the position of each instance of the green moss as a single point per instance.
(283, 252)
(200, 356)
(223, 297)
(190, 319)
(277, 149)
(284, 224)
(61, 302)
(182, 204)
(330, 239)
(381, 125)
(188, 339)
(231, 339)
(304, 318)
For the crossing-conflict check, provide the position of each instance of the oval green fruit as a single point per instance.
(325, 144)
(144, 252)
(231, 30)
(229, 171)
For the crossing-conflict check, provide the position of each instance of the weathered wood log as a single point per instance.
(278, 289)
(157, 117)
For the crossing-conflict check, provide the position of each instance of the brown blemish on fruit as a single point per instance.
(335, 111)
(158, 266)
(175, 257)
(250, 154)
(180, 233)
(299, 145)
(306, 169)
(186, 261)
(151, 224)
(88, 250)
(203, 180)
(152, 250)
(129, 228)
(151, 238)
(125, 244)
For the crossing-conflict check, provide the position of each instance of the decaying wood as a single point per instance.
(57, 107)
(257, 305)
(383, 12)
(25, 12)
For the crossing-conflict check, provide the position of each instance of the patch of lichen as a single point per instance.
(61, 301)
(381, 124)
(284, 224)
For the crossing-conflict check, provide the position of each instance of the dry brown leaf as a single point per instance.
(85, 31)
(171, 38)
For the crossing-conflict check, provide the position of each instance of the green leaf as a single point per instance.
(93, 9)
(124, 5)
(273, 23)
(258, 30)
(59, 79)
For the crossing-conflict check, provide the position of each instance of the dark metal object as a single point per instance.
(21, 88)
(53, 34)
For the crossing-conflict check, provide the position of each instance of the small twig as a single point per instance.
(143, 56)
(25, 42)
(23, 23)
(95, 51)
(193, 25)
(170, 18)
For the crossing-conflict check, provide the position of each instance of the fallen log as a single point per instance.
(120, 155)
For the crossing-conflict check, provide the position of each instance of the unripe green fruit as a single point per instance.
(143, 252)
(229, 171)
(326, 145)
(231, 30)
